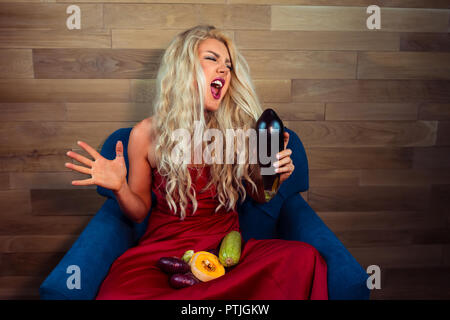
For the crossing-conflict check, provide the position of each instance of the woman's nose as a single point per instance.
(223, 68)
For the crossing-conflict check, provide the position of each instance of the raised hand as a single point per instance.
(110, 174)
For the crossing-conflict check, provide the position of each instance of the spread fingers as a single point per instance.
(85, 182)
(80, 158)
(78, 168)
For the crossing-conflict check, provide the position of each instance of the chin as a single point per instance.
(212, 108)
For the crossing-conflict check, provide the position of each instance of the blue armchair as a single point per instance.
(287, 216)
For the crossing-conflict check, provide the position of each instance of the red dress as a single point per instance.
(268, 269)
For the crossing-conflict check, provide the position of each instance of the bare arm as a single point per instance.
(134, 197)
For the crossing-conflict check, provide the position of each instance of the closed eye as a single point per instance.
(212, 58)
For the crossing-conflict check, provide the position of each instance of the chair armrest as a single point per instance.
(346, 278)
(105, 238)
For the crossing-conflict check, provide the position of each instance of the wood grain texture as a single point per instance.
(404, 177)
(362, 3)
(36, 225)
(28, 264)
(431, 157)
(327, 18)
(46, 202)
(387, 220)
(17, 201)
(148, 38)
(370, 198)
(443, 134)
(47, 15)
(376, 238)
(426, 283)
(20, 287)
(440, 195)
(51, 38)
(99, 111)
(365, 133)
(145, 1)
(32, 161)
(317, 40)
(298, 111)
(96, 63)
(64, 90)
(434, 111)
(250, 17)
(183, 16)
(148, 16)
(33, 243)
(447, 255)
(301, 64)
(273, 91)
(16, 63)
(45, 136)
(404, 65)
(46, 180)
(4, 181)
(371, 107)
(142, 39)
(370, 90)
(371, 111)
(359, 158)
(427, 41)
(399, 256)
(334, 178)
(32, 111)
(382, 3)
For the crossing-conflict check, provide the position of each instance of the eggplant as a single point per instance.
(171, 265)
(178, 280)
(270, 129)
(214, 251)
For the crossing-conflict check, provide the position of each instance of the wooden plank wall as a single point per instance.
(372, 108)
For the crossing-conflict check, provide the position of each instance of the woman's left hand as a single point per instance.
(284, 165)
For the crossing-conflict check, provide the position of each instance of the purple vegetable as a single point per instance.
(172, 265)
(214, 251)
(178, 280)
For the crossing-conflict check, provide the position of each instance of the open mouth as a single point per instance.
(216, 88)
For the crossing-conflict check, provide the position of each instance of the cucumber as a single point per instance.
(230, 249)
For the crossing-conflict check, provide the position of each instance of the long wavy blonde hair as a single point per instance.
(179, 101)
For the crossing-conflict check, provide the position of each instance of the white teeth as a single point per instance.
(217, 82)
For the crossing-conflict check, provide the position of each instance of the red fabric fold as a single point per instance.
(268, 269)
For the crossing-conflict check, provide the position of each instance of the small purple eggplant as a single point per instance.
(178, 280)
(171, 265)
(214, 251)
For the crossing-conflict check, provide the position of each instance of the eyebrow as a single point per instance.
(218, 56)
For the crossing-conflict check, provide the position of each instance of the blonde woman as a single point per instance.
(203, 82)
